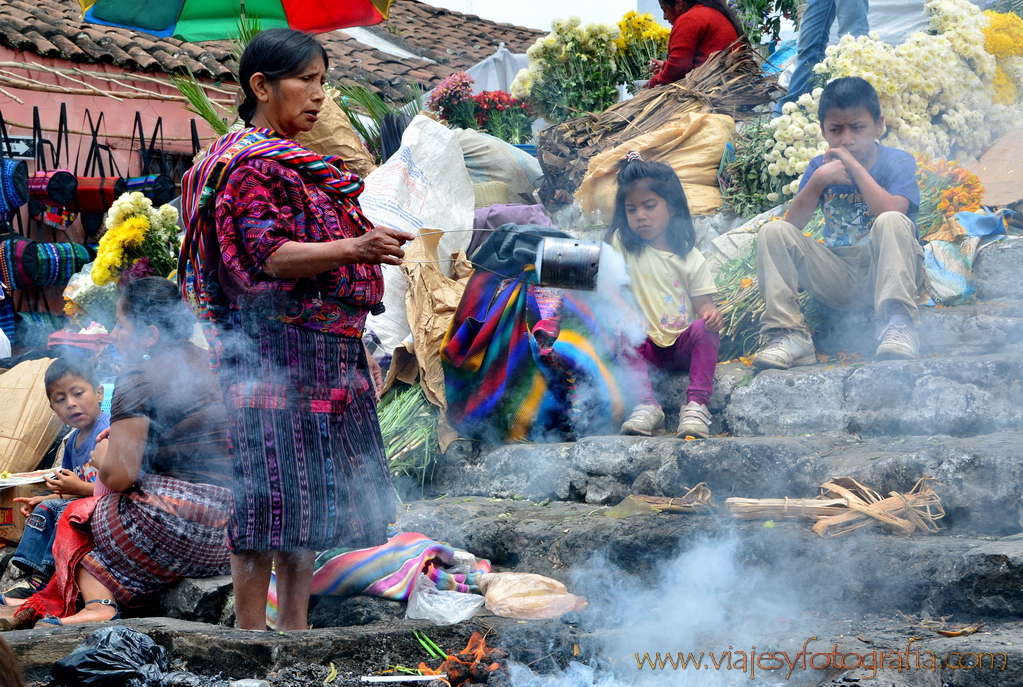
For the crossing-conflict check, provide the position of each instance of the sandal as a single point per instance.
(106, 602)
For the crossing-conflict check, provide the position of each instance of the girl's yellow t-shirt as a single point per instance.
(663, 283)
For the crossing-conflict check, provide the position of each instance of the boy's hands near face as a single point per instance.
(834, 171)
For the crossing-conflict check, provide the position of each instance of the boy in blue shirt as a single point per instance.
(870, 257)
(75, 396)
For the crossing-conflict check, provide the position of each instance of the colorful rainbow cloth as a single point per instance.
(387, 571)
(525, 362)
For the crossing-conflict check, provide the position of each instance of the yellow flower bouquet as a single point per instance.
(640, 40)
(140, 241)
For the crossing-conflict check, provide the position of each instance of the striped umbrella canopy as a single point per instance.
(207, 20)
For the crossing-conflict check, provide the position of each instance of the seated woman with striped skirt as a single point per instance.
(167, 461)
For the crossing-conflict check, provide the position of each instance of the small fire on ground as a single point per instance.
(477, 664)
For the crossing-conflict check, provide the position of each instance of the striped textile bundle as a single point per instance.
(34, 329)
(6, 312)
(19, 261)
(158, 188)
(388, 571)
(53, 187)
(58, 262)
(25, 263)
(512, 374)
(13, 184)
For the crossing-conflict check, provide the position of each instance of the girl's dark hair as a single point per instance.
(721, 7)
(157, 301)
(277, 54)
(662, 180)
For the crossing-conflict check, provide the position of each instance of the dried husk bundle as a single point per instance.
(696, 500)
(905, 514)
(844, 505)
(730, 82)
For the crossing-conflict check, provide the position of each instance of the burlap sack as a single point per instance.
(692, 145)
(27, 425)
(333, 135)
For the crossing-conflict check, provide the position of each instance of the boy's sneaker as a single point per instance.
(787, 348)
(646, 420)
(898, 342)
(694, 421)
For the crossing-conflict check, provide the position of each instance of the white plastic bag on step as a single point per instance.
(423, 186)
(441, 607)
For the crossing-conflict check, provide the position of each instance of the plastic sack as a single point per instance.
(99, 303)
(441, 608)
(422, 186)
(110, 657)
(691, 144)
(488, 158)
(949, 268)
(528, 596)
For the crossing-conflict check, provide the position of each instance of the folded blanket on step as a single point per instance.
(387, 571)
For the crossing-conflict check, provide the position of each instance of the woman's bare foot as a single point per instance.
(12, 602)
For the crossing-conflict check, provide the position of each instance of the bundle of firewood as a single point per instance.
(844, 505)
(730, 82)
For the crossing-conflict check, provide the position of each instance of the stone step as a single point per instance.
(980, 479)
(996, 271)
(974, 329)
(955, 395)
(864, 572)
(546, 647)
(959, 396)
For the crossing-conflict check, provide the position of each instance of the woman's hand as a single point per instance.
(100, 452)
(294, 260)
(379, 246)
(66, 483)
(655, 66)
(31, 503)
(376, 374)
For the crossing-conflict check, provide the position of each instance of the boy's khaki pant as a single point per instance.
(886, 271)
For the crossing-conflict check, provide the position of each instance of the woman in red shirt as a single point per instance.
(699, 28)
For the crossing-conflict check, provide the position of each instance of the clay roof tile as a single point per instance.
(453, 41)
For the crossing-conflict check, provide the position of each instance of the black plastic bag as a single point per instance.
(110, 657)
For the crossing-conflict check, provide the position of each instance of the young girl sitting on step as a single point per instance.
(673, 286)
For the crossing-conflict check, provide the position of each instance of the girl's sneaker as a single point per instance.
(646, 420)
(694, 421)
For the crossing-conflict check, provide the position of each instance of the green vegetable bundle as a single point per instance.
(408, 423)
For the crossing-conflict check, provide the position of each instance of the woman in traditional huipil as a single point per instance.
(284, 269)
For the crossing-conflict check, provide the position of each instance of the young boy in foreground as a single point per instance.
(870, 256)
(75, 396)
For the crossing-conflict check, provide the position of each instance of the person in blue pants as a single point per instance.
(814, 31)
